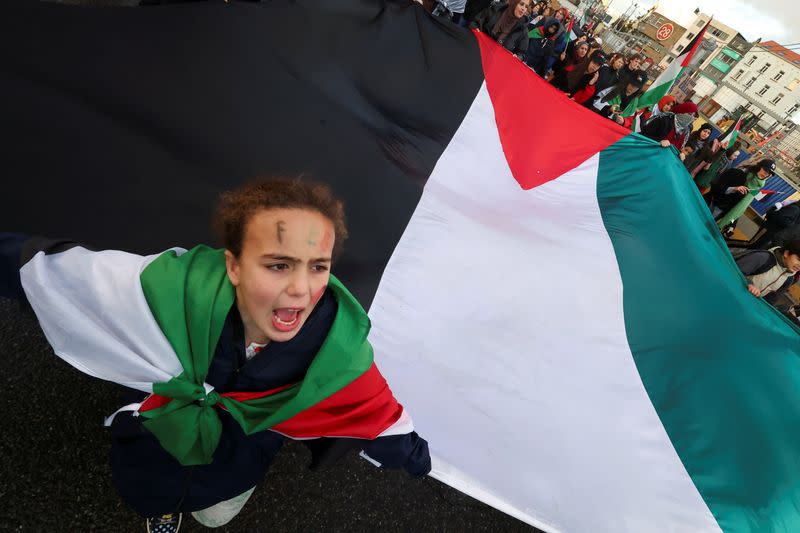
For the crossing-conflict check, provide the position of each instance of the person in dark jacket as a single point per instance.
(570, 49)
(578, 80)
(578, 57)
(782, 221)
(632, 69)
(771, 272)
(275, 302)
(672, 126)
(474, 7)
(735, 189)
(618, 103)
(609, 74)
(701, 145)
(541, 46)
(506, 24)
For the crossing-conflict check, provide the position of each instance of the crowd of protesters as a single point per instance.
(571, 59)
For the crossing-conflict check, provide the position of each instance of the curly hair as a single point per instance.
(238, 206)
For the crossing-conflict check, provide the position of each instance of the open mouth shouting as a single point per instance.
(286, 318)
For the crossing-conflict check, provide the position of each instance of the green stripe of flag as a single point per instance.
(726, 390)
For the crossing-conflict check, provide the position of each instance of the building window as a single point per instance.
(719, 33)
(778, 76)
(747, 105)
(760, 114)
(750, 82)
(792, 110)
(689, 36)
(763, 90)
(679, 48)
(738, 74)
(793, 85)
(669, 59)
(751, 60)
(777, 99)
(763, 69)
(700, 23)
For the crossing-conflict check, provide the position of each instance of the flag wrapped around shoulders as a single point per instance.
(153, 323)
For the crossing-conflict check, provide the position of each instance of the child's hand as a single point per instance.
(665, 143)
(754, 290)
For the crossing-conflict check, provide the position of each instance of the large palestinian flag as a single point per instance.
(549, 295)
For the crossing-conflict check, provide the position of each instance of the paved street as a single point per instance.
(55, 476)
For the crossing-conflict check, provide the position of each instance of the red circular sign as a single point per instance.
(665, 31)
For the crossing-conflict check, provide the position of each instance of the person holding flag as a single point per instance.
(230, 351)
(735, 190)
(541, 45)
(619, 102)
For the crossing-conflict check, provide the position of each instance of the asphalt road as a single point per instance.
(54, 473)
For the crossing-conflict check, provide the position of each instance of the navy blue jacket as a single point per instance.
(153, 483)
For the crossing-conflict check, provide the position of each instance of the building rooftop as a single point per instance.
(782, 51)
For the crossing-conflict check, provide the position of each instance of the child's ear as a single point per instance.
(232, 266)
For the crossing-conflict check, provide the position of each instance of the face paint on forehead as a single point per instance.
(280, 229)
(313, 236)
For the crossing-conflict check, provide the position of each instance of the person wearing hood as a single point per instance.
(506, 24)
(559, 17)
(541, 43)
(560, 41)
(619, 102)
(664, 107)
(672, 126)
(735, 190)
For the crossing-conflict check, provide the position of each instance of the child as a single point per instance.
(238, 348)
(770, 272)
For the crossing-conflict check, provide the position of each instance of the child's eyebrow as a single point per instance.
(281, 258)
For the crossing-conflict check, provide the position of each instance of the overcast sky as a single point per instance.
(777, 20)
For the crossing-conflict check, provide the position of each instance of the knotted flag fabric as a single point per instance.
(549, 294)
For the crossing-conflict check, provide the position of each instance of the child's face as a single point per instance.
(282, 271)
(792, 261)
